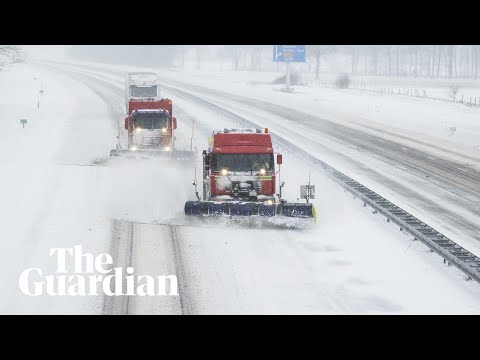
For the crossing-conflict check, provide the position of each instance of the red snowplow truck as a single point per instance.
(151, 128)
(239, 178)
(150, 124)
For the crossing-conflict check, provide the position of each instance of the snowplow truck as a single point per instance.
(149, 123)
(239, 178)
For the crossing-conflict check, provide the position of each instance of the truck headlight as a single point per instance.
(262, 171)
(133, 148)
(138, 129)
(164, 130)
(224, 172)
(167, 148)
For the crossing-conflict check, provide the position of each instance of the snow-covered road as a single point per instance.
(399, 150)
(351, 262)
(442, 191)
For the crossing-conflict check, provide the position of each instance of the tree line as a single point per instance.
(434, 61)
(430, 61)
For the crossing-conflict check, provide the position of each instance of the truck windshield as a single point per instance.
(143, 91)
(151, 121)
(242, 162)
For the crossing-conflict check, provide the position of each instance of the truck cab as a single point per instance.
(240, 166)
(239, 179)
(150, 129)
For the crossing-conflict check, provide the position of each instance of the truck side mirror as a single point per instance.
(279, 159)
(126, 123)
(174, 123)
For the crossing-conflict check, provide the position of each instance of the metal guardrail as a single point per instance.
(451, 252)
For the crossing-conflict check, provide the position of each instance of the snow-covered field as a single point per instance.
(46, 204)
(350, 262)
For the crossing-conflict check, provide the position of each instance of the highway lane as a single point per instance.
(440, 187)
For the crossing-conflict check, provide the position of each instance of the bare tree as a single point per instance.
(256, 57)
(201, 52)
(475, 61)
(397, 60)
(317, 52)
(413, 50)
(432, 71)
(183, 56)
(236, 54)
(440, 52)
(450, 60)
(354, 51)
(454, 89)
(198, 51)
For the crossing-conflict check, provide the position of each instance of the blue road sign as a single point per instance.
(289, 53)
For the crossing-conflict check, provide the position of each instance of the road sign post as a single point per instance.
(288, 54)
(23, 122)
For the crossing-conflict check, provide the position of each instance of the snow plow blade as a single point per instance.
(212, 208)
(254, 215)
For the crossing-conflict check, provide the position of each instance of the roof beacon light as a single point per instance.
(266, 130)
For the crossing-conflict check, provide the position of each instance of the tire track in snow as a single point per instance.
(183, 288)
(123, 233)
(121, 250)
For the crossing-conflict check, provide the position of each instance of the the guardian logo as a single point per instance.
(91, 273)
